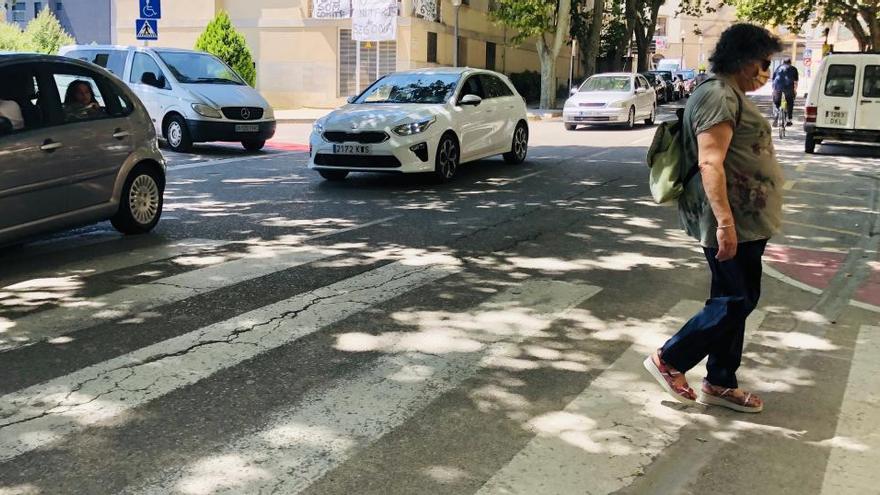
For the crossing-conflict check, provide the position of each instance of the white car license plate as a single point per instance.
(247, 128)
(352, 149)
(836, 117)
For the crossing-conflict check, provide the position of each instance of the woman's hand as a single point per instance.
(726, 243)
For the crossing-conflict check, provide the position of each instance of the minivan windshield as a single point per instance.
(411, 88)
(606, 83)
(199, 68)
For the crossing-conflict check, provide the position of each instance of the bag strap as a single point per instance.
(695, 169)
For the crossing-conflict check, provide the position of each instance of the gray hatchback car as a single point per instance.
(76, 147)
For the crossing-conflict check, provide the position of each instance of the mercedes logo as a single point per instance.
(246, 113)
(354, 126)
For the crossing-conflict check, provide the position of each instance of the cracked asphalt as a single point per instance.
(281, 334)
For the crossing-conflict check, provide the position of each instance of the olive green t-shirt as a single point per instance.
(754, 177)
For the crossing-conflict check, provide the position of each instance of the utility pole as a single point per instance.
(457, 5)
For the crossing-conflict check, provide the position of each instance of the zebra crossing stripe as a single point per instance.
(329, 426)
(113, 262)
(855, 448)
(606, 437)
(48, 412)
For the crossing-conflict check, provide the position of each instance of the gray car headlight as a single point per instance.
(207, 111)
(414, 128)
(318, 127)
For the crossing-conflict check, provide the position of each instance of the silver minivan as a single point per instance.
(76, 147)
(192, 96)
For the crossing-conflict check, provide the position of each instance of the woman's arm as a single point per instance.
(712, 148)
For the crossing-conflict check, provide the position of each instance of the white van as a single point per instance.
(191, 96)
(844, 100)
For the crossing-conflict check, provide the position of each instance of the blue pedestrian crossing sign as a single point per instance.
(147, 29)
(150, 9)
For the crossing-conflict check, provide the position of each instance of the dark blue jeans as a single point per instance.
(718, 329)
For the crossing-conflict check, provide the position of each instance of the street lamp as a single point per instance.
(681, 65)
(457, 5)
(701, 49)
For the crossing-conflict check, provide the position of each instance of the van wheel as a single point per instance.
(177, 135)
(570, 127)
(810, 144)
(140, 204)
(254, 144)
(333, 175)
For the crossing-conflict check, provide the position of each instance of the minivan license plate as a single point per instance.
(352, 149)
(247, 128)
(836, 117)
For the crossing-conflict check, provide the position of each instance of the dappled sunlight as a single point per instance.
(843, 443)
(210, 475)
(794, 340)
(446, 474)
(620, 261)
(24, 489)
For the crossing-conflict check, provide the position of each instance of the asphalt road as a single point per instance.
(281, 334)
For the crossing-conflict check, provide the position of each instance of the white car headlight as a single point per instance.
(318, 127)
(619, 104)
(414, 128)
(207, 111)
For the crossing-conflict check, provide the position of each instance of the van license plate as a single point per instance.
(352, 149)
(836, 117)
(247, 128)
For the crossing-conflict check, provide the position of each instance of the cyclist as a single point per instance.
(785, 81)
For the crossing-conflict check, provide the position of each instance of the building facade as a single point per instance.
(88, 21)
(687, 38)
(306, 62)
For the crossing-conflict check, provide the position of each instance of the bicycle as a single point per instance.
(782, 111)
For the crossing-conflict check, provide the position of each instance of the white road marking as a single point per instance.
(78, 314)
(774, 273)
(125, 259)
(600, 442)
(211, 163)
(855, 447)
(865, 306)
(304, 443)
(48, 412)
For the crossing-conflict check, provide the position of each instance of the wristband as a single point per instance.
(725, 226)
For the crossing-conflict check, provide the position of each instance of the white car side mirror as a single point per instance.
(573, 92)
(472, 100)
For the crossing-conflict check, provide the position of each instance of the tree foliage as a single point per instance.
(222, 40)
(546, 21)
(862, 17)
(45, 34)
(12, 39)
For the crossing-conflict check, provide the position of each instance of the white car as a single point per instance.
(428, 120)
(614, 98)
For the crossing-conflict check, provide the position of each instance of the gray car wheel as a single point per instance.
(140, 205)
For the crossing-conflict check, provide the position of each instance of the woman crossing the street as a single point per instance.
(732, 207)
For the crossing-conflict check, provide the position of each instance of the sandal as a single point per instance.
(716, 396)
(665, 376)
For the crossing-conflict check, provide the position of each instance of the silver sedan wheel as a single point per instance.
(520, 142)
(143, 199)
(448, 158)
(175, 134)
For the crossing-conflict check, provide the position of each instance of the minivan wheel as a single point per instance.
(570, 127)
(519, 146)
(333, 175)
(140, 205)
(448, 156)
(254, 144)
(177, 134)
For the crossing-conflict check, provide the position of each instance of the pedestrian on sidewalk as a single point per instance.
(732, 207)
(785, 81)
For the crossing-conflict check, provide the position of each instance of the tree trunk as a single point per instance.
(872, 19)
(548, 52)
(853, 23)
(591, 49)
(623, 46)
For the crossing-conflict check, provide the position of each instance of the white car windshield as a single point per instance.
(199, 68)
(607, 83)
(411, 88)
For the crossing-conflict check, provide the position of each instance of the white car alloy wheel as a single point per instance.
(631, 121)
(653, 117)
(143, 199)
(520, 143)
(447, 158)
(175, 134)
